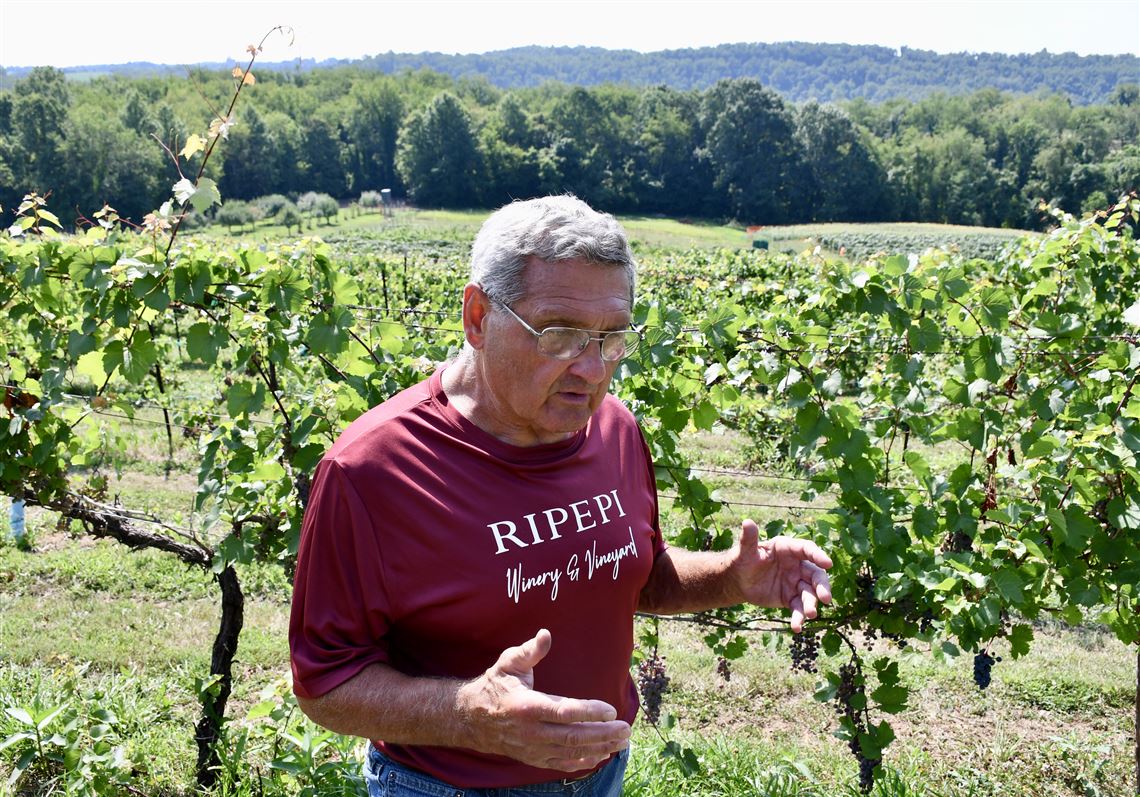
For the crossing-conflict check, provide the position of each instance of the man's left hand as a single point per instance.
(782, 572)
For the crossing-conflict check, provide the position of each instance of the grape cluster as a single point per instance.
(652, 682)
(960, 542)
(805, 651)
(850, 686)
(867, 774)
(866, 583)
(983, 663)
(723, 669)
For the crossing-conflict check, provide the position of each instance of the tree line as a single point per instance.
(801, 71)
(736, 150)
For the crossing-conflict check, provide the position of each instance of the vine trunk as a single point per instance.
(221, 665)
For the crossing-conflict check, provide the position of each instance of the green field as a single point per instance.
(662, 233)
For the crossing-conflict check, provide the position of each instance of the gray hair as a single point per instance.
(552, 229)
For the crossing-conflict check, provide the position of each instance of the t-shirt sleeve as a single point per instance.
(339, 620)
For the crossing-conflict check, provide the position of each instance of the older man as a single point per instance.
(475, 548)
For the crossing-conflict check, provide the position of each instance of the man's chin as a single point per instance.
(569, 417)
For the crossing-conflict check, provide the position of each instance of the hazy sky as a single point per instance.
(70, 32)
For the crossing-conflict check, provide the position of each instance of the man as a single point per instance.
(475, 547)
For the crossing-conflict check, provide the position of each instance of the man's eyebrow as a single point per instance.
(561, 321)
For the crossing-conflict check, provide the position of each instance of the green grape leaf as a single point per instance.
(705, 414)
(204, 341)
(1009, 585)
(205, 195)
(891, 699)
(245, 397)
(91, 365)
(925, 337)
(328, 332)
(1020, 638)
(1124, 514)
(1132, 315)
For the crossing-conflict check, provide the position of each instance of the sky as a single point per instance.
(70, 33)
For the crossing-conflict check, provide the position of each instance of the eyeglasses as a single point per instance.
(566, 343)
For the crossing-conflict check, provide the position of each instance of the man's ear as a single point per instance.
(476, 309)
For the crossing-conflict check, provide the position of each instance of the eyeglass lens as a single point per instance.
(566, 343)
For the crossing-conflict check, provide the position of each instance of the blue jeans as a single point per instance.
(386, 778)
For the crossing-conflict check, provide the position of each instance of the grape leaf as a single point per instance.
(205, 195)
(1019, 639)
(1009, 585)
(183, 190)
(194, 144)
(1132, 315)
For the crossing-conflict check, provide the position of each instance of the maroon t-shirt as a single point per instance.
(433, 546)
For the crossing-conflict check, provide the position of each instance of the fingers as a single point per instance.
(800, 570)
(522, 659)
(749, 534)
(583, 745)
(808, 595)
(817, 581)
(550, 731)
(808, 600)
(567, 709)
(795, 547)
(567, 734)
(797, 621)
(807, 551)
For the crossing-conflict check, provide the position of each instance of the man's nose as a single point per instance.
(589, 365)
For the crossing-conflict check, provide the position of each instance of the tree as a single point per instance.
(272, 204)
(1122, 170)
(323, 155)
(589, 146)
(318, 204)
(373, 128)
(511, 147)
(669, 178)
(39, 116)
(136, 114)
(291, 173)
(101, 161)
(1127, 94)
(250, 165)
(946, 178)
(5, 114)
(848, 182)
(756, 161)
(437, 156)
(235, 214)
(291, 217)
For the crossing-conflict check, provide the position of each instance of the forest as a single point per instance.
(800, 71)
(737, 150)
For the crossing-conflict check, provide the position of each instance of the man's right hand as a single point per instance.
(506, 716)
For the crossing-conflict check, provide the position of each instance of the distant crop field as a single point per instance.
(858, 241)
